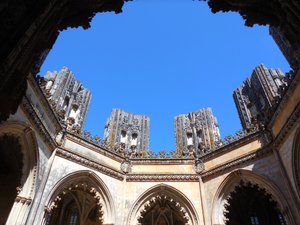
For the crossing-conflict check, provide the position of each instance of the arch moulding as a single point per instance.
(26, 137)
(96, 187)
(169, 192)
(232, 180)
(30, 156)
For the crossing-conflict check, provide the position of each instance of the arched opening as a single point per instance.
(163, 210)
(248, 204)
(81, 198)
(77, 205)
(257, 198)
(18, 171)
(11, 164)
(163, 205)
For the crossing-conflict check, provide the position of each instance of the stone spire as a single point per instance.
(127, 133)
(258, 95)
(196, 132)
(68, 97)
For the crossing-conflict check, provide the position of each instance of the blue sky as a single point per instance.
(163, 58)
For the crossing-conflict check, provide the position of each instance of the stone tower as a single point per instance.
(258, 95)
(196, 132)
(68, 97)
(127, 133)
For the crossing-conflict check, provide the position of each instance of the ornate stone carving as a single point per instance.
(162, 177)
(199, 166)
(162, 205)
(223, 168)
(69, 99)
(126, 166)
(196, 131)
(90, 163)
(259, 95)
(127, 133)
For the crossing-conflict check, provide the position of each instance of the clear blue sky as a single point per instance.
(163, 58)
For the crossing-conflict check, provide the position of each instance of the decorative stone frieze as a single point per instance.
(232, 164)
(196, 132)
(287, 127)
(89, 163)
(38, 122)
(162, 177)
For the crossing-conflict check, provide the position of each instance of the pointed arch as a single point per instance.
(232, 180)
(160, 191)
(88, 182)
(18, 139)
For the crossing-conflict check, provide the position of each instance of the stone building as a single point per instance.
(196, 131)
(258, 95)
(127, 132)
(51, 175)
(54, 175)
(68, 97)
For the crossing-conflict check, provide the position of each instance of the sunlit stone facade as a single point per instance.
(198, 130)
(258, 95)
(54, 172)
(127, 133)
(53, 175)
(68, 97)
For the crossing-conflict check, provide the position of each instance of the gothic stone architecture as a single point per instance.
(259, 95)
(53, 175)
(127, 133)
(196, 131)
(68, 97)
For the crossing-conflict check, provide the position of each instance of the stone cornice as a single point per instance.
(287, 126)
(223, 168)
(89, 163)
(232, 146)
(285, 99)
(34, 118)
(142, 161)
(93, 146)
(162, 178)
(43, 100)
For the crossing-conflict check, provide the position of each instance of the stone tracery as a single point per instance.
(163, 209)
(82, 197)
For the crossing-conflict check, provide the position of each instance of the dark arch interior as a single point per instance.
(11, 164)
(163, 212)
(250, 205)
(75, 208)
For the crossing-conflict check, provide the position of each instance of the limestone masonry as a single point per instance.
(53, 172)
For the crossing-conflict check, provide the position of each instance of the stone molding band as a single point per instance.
(35, 119)
(227, 166)
(233, 145)
(162, 177)
(287, 126)
(285, 99)
(104, 151)
(89, 163)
